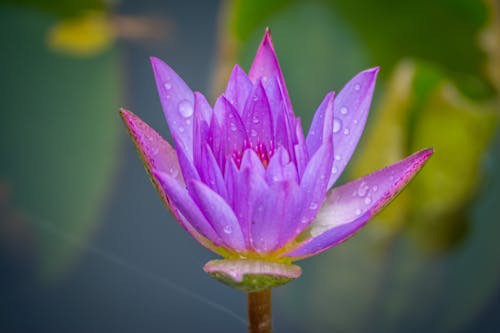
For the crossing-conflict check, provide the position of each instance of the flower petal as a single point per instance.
(321, 125)
(182, 201)
(177, 101)
(238, 88)
(258, 119)
(265, 65)
(220, 215)
(312, 192)
(348, 207)
(281, 168)
(351, 107)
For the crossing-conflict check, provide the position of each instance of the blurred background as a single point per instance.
(87, 246)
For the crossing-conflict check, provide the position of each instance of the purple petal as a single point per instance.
(210, 172)
(186, 164)
(281, 168)
(351, 108)
(312, 191)
(202, 107)
(251, 161)
(269, 215)
(265, 65)
(220, 215)
(238, 88)
(182, 201)
(177, 101)
(348, 207)
(321, 125)
(257, 118)
(300, 149)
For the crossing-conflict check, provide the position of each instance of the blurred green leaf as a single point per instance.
(60, 7)
(58, 135)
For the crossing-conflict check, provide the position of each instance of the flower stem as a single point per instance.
(259, 312)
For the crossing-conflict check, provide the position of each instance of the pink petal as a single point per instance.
(177, 101)
(348, 207)
(351, 107)
(265, 65)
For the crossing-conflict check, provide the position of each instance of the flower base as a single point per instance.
(251, 275)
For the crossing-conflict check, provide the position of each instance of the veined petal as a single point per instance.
(238, 88)
(348, 207)
(156, 152)
(182, 201)
(266, 65)
(321, 125)
(350, 110)
(220, 215)
(177, 101)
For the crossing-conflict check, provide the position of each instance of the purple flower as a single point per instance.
(245, 182)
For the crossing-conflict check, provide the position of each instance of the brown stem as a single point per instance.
(259, 312)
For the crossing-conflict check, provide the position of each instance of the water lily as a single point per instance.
(247, 184)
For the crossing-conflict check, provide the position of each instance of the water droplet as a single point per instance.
(253, 133)
(255, 120)
(181, 129)
(154, 151)
(185, 108)
(335, 170)
(233, 127)
(313, 206)
(167, 85)
(304, 220)
(337, 125)
(173, 172)
(346, 131)
(355, 121)
(357, 87)
(375, 188)
(368, 200)
(344, 110)
(228, 229)
(255, 98)
(363, 189)
(338, 157)
(358, 211)
(276, 178)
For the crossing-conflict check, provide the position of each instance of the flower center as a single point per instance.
(263, 152)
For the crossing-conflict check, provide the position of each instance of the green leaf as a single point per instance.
(58, 136)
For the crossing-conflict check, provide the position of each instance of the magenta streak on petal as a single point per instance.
(348, 207)
(257, 119)
(238, 88)
(321, 125)
(219, 214)
(351, 107)
(177, 101)
(265, 65)
(182, 201)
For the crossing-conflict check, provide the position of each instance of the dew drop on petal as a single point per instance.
(335, 170)
(185, 108)
(181, 129)
(228, 229)
(167, 85)
(173, 172)
(375, 188)
(346, 131)
(304, 220)
(255, 120)
(355, 121)
(337, 125)
(358, 211)
(154, 151)
(233, 127)
(253, 133)
(363, 189)
(357, 87)
(337, 157)
(313, 206)
(368, 200)
(344, 110)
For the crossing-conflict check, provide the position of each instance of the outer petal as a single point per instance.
(238, 88)
(177, 100)
(220, 215)
(348, 207)
(265, 65)
(351, 108)
(187, 207)
(321, 125)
